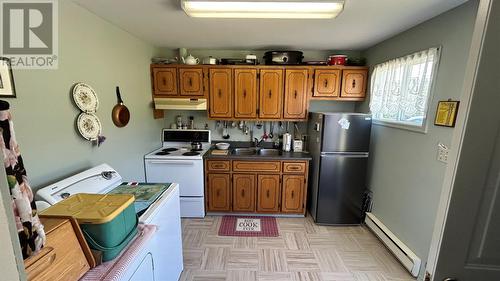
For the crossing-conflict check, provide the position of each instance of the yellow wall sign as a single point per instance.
(446, 113)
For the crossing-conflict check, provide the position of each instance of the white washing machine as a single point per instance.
(161, 258)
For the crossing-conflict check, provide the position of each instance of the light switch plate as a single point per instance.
(443, 152)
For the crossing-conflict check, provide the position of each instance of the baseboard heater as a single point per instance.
(406, 256)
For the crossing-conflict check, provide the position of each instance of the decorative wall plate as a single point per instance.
(85, 97)
(89, 126)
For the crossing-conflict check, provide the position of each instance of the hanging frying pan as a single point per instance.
(120, 114)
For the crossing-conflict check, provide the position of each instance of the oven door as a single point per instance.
(187, 173)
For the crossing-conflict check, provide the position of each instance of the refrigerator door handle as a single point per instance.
(346, 154)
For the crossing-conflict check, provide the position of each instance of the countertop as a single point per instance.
(283, 155)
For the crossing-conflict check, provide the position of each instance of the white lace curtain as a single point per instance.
(400, 88)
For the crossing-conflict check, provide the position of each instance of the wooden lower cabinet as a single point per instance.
(243, 193)
(293, 194)
(249, 186)
(268, 193)
(219, 192)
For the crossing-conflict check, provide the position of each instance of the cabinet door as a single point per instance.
(327, 83)
(271, 93)
(243, 193)
(191, 82)
(268, 193)
(354, 83)
(165, 81)
(219, 188)
(293, 194)
(221, 103)
(295, 94)
(245, 93)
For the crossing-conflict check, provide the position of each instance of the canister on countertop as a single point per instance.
(287, 142)
(179, 121)
(297, 145)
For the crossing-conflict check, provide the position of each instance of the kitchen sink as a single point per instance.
(268, 152)
(249, 151)
(244, 151)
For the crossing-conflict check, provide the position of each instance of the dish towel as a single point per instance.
(29, 229)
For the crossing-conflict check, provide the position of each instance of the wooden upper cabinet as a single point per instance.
(354, 83)
(221, 102)
(243, 193)
(165, 81)
(268, 193)
(295, 94)
(191, 81)
(293, 194)
(271, 93)
(245, 93)
(327, 83)
(219, 192)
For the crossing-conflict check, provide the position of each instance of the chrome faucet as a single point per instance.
(258, 142)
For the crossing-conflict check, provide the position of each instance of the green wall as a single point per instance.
(404, 175)
(94, 51)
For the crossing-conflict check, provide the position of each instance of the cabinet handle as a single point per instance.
(354, 83)
(217, 193)
(293, 168)
(293, 194)
(270, 93)
(267, 193)
(295, 94)
(326, 83)
(190, 81)
(164, 81)
(218, 166)
(220, 93)
(244, 93)
(242, 193)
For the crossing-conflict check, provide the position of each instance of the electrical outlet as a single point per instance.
(443, 151)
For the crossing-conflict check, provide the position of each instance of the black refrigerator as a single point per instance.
(339, 145)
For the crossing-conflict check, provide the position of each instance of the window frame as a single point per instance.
(430, 98)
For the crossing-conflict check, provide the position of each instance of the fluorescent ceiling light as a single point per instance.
(263, 9)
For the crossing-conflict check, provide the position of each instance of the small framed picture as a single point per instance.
(446, 114)
(7, 87)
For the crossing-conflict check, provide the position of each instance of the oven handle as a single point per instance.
(175, 162)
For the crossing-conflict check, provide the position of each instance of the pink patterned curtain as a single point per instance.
(29, 228)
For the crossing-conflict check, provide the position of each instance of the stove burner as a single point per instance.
(197, 149)
(170, 149)
(162, 153)
(191, 153)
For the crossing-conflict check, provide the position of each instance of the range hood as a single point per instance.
(180, 104)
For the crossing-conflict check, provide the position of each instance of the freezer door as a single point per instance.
(346, 132)
(342, 182)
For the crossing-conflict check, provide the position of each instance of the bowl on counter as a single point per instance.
(222, 145)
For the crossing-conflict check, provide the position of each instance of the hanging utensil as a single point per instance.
(120, 114)
(271, 130)
(265, 136)
(225, 133)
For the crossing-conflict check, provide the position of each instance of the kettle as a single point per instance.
(190, 60)
(196, 145)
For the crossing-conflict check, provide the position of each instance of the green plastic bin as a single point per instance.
(108, 221)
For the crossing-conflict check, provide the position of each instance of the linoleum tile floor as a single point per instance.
(303, 251)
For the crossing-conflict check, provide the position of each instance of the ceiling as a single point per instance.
(362, 24)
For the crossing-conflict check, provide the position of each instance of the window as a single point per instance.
(401, 90)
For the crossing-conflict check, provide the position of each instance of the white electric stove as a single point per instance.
(176, 162)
